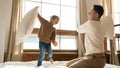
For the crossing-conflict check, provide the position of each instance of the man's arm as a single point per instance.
(82, 28)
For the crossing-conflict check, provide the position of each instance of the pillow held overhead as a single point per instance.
(107, 23)
(26, 26)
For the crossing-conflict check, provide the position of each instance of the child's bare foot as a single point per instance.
(51, 60)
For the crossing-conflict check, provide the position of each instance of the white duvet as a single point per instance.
(32, 64)
(46, 64)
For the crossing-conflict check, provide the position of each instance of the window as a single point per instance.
(66, 10)
(31, 42)
(116, 16)
(116, 12)
(65, 43)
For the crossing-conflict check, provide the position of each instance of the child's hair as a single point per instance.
(54, 17)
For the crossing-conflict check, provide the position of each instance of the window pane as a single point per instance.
(68, 18)
(64, 43)
(117, 43)
(49, 10)
(68, 43)
(117, 18)
(69, 2)
(116, 15)
(51, 1)
(58, 42)
(30, 5)
(108, 44)
(32, 42)
(35, 0)
(116, 5)
(117, 21)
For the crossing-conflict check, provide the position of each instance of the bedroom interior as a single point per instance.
(13, 11)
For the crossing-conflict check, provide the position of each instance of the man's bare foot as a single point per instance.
(51, 60)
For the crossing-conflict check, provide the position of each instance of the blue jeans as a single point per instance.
(42, 47)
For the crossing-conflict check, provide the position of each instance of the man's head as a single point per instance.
(96, 12)
(54, 19)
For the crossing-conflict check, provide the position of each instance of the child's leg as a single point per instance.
(49, 51)
(41, 56)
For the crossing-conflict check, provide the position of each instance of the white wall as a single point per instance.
(5, 14)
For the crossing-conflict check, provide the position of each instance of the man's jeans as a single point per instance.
(42, 47)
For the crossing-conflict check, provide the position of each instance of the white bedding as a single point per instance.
(46, 64)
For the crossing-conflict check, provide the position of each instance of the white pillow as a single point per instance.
(107, 23)
(26, 26)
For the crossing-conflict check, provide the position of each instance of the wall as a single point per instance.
(5, 14)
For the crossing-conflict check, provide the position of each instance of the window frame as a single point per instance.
(59, 32)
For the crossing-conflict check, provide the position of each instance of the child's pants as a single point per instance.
(42, 47)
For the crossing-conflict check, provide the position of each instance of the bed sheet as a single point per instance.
(32, 64)
(46, 64)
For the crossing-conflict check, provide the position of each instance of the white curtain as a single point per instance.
(13, 52)
(19, 30)
(82, 17)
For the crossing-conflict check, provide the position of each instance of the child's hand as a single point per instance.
(55, 43)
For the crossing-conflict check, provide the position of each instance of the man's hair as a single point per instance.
(99, 9)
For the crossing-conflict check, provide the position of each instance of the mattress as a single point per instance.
(46, 64)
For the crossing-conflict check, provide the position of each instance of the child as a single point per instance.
(46, 35)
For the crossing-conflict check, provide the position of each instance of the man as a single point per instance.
(94, 41)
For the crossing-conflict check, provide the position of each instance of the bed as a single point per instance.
(46, 64)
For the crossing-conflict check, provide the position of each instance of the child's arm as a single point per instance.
(53, 38)
(55, 43)
(41, 19)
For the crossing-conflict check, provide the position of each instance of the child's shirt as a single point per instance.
(47, 32)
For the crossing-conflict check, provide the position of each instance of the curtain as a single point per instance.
(13, 52)
(113, 56)
(82, 17)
